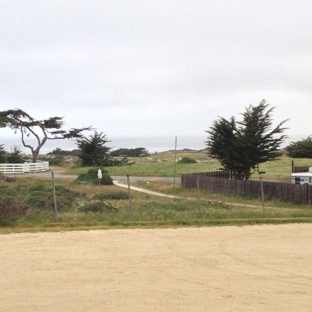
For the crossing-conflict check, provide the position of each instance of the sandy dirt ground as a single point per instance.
(248, 268)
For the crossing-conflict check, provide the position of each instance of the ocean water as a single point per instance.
(153, 144)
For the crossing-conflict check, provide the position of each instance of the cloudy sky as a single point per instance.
(160, 68)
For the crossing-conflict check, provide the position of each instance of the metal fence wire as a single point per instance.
(61, 189)
(54, 182)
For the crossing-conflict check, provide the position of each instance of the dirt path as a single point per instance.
(249, 268)
(117, 183)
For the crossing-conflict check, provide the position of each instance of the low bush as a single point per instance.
(111, 195)
(92, 177)
(187, 160)
(40, 197)
(55, 161)
(11, 207)
(99, 206)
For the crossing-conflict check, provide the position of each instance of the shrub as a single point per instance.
(97, 206)
(187, 160)
(54, 161)
(41, 197)
(91, 177)
(11, 207)
(16, 156)
(112, 195)
(37, 187)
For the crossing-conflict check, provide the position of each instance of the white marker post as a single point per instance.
(99, 175)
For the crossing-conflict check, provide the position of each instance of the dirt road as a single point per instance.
(248, 268)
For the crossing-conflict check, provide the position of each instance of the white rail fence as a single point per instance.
(26, 167)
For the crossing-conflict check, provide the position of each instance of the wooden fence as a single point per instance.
(300, 169)
(296, 193)
(215, 174)
(297, 169)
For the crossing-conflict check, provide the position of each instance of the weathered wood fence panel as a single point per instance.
(276, 190)
(301, 169)
(216, 174)
(298, 169)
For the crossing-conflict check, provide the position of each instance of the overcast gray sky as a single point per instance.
(156, 67)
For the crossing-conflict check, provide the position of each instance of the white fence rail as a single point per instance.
(26, 167)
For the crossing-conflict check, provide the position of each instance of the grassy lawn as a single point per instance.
(162, 165)
(157, 165)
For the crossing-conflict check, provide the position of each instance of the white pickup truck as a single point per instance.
(302, 177)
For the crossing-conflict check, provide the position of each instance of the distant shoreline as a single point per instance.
(152, 144)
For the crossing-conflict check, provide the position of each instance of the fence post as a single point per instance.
(262, 197)
(54, 197)
(198, 194)
(175, 162)
(129, 192)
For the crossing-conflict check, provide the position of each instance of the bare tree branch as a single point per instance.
(51, 128)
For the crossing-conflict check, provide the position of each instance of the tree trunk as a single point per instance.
(35, 154)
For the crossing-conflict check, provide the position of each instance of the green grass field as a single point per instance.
(162, 165)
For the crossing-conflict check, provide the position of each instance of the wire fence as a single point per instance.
(133, 197)
(133, 190)
(52, 190)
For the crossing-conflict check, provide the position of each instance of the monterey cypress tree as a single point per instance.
(242, 146)
(2, 154)
(223, 144)
(93, 151)
(16, 156)
(300, 149)
(41, 130)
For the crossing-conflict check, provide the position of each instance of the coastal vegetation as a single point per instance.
(27, 204)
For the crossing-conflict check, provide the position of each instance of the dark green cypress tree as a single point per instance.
(242, 146)
(93, 151)
(16, 156)
(223, 144)
(300, 149)
(2, 154)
